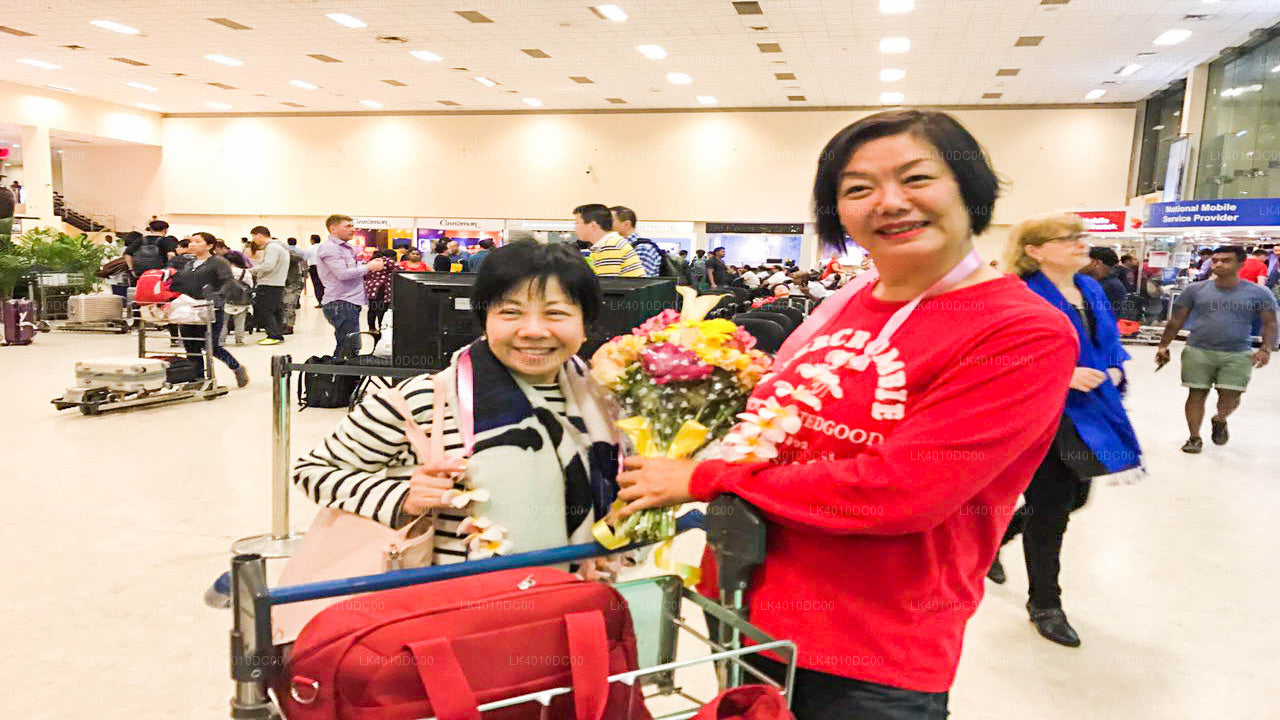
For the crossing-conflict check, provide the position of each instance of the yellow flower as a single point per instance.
(614, 357)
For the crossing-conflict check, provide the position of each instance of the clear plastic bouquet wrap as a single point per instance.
(681, 382)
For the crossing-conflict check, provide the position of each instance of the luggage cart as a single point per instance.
(733, 528)
(98, 400)
(51, 291)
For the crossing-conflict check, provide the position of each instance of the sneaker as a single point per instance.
(1193, 445)
(270, 341)
(242, 376)
(1219, 434)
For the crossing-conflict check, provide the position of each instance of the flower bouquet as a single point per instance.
(681, 382)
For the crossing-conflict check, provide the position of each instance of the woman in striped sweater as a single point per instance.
(528, 436)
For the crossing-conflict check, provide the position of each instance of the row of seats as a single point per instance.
(770, 325)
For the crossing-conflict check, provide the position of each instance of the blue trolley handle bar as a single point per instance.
(692, 520)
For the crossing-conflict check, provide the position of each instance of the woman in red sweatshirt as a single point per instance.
(889, 446)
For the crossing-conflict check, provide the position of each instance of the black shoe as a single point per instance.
(1219, 434)
(996, 573)
(1052, 624)
(1193, 445)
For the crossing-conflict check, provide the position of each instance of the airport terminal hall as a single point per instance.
(647, 360)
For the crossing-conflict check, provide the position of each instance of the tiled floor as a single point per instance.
(116, 524)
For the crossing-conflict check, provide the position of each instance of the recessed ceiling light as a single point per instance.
(303, 84)
(1130, 69)
(1157, 127)
(707, 99)
(769, 47)
(611, 12)
(152, 108)
(425, 55)
(347, 20)
(893, 7)
(892, 74)
(1094, 94)
(535, 53)
(472, 16)
(531, 102)
(616, 101)
(1172, 37)
(141, 86)
(747, 7)
(223, 59)
(115, 27)
(63, 88)
(895, 45)
(892, 98)
(1242, 133)
(653, 52)
(1028, 41)
(679, 78)
(218, 105)
(485, 81)
(40, 64)
(371, 103)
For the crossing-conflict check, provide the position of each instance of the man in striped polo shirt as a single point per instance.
(611, 254)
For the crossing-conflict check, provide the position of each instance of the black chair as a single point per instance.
(724, 309)
(796, 316)
(743, 294)
(768, 334)
(782, 320)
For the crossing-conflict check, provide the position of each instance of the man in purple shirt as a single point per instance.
(342, 276)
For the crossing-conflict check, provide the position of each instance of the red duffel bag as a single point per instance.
(444, 648)
(155, 286)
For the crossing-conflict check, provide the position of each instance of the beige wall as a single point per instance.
(730, 166)
(121, 181)
(25, 105)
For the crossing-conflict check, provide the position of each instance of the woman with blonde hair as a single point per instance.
(1094, 436)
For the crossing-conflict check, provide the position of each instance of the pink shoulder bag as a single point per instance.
(341, 544)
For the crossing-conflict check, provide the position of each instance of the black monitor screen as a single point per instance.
(433, 318)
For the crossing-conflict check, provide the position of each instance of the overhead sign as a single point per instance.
(1103, 221)
(382, 223)
(1248, 212)
(646, 228)
(756, 228)
(552, 225)
(477, 224)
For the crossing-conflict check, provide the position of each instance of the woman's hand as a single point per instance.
(429, 483)
(1085, 379)
(601, 568)
(1116, 375)
(653, 482)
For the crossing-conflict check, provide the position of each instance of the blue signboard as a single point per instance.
(1248, 212)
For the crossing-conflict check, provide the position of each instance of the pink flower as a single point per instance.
(668, 362)
(657, 322)
(742, 340)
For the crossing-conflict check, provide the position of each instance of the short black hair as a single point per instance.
(1105, 255)
(595, 213)
(624, 214)
(292, 241)
(439, 247)
(1259, 251)
(315, 239)
(713, 252)
(183, 242)
(684, 253)
(1207, 251)
(1233, 250)
(486, 243)
(1126, 258)
(260, 230)
(978, 183)
(157, 226)
(700, 253)
(510, 265)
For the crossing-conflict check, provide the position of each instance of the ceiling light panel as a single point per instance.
(229, 24)
(678, 78)
(748, 8)
(347, 20)
(303, 84)
(892, 45)
(708, 99)
(610, 12)
(769, 47)
(472, 16)
(63, 88)
(224, 60)
(141, 86)
(324, 58)
(892, 98)
(485, 81)
(15, 31)
(1029, 41)
(1128, 70)
(40, 64)
(536, 53)
(892, 75)
(531, 102)
(653, 52)
(1094, 94)
(425, 55)
(116, 27)
(1172, 37)
(371, 104)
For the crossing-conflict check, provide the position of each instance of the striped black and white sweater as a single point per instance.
(364, 466)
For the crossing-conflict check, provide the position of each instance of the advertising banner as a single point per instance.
(1247, 212)
(1103, 221)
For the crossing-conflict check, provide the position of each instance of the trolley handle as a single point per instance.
(691, 520)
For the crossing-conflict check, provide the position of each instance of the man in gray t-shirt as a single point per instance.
(1221, 312)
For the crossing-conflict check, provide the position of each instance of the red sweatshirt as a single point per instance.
(887, 507)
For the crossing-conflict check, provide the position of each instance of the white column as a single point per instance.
(1193, 105)
(37, 170)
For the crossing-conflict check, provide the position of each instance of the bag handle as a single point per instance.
(452, 697)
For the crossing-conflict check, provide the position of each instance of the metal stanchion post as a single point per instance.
(280, 542)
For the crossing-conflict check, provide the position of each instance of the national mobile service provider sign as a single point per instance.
(1249, 212)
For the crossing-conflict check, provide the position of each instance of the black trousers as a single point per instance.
(377, 308)
(823, 696)
(1055, 492)
(317, 285)
(268, 310)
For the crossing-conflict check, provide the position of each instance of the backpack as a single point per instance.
(148, 256)
(326, 391)
(297, 276)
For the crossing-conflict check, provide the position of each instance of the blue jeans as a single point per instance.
(345, 318)
(193, 340)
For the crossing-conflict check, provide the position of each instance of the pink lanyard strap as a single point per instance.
(833, 305)
(466, 400)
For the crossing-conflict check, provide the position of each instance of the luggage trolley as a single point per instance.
(97, 394)
(734, 530)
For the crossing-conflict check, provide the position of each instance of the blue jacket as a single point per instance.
(1099, 415)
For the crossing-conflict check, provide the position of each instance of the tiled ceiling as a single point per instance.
(824, 52)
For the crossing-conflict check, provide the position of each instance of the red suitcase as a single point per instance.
(154, 286)
(444, 648)
(19, 318)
